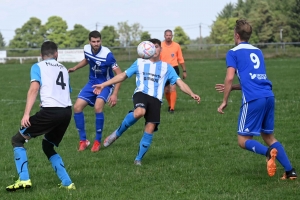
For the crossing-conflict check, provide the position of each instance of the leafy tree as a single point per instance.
(30, 35)
(2, 42)
(110, 36)
(294, 21)
(56, 29)
(180, 36)
(227, 11)
(145, 36)
(78, 36)
(222, 31)
(129, 35)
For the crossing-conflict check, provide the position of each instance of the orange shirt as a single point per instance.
(171, 54)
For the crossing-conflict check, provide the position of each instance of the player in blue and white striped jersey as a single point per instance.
(151, 77)
(258, 102)
(103, 65)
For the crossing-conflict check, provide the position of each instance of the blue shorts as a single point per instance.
(87, 93)
(257, 117)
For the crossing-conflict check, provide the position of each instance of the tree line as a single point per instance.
(272, 21)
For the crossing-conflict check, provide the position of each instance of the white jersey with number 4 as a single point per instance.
(54, 83)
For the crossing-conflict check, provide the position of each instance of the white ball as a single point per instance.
(146, 49)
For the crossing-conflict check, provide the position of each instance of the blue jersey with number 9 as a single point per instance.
(248, 61)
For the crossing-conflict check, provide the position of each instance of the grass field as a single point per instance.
(194, 155)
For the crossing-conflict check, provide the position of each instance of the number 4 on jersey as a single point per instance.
(60, 80)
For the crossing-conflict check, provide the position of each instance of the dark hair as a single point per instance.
(94, 34)
(155, 41)
(48, 48)
(244, 29)
(168, 30)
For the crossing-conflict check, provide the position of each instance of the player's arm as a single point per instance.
(186, 89)
(81, 64)
(220, 87)
(227, 88)
(117, 79)
(31, 97)
(118, 85)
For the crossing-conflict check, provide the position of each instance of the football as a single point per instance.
(146, 49)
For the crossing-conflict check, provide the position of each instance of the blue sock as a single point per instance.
(144, 145)
(128, 121)
(21, 162)
(60, 170)
(99, 126)
(79, 121)
(281, 156)
(256, 147)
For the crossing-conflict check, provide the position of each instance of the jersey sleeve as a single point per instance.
(179, 55)
(172, 75)
(35, 74)
(111, 61)
(132, 69)
(231, 59)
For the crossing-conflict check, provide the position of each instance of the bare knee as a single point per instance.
(242, 140)
(139, 112)
(18, 140)
(268, 138)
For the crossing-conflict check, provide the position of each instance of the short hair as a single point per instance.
(244, 29)
(168, 30)
(94, 34)
(48, 48)
(155, 41)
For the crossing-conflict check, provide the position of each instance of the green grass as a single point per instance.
(194, 155)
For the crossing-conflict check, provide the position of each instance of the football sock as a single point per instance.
(173, 97)
(144, 145)
(21, 163)
(128, 121)
(281, 156)
(256, 147)
(99, 126)
(168, 97)
(79, 121)
(60, 170)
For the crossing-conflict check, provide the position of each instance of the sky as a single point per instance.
(155, 16)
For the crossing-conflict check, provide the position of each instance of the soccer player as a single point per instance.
(51, 79)
(102, 67)
(257, 110)
(172, 54)
(151, 77)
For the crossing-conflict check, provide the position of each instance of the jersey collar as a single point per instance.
(244, 43)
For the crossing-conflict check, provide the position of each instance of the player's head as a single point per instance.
(168, 35)
(95, 40)
(242, 31)
(49, 50)
(157, 44)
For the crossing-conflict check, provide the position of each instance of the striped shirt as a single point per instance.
(152, 77)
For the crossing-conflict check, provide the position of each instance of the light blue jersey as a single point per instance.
(151, 77)
(101, 63)
(249, 64)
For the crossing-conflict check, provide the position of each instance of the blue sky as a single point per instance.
(155, 16)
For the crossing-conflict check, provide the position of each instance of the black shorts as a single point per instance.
(151, 104)
(51, 122)
(177, 72)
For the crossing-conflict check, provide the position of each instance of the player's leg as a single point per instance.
(152, 117)
(268, 137)
(249, 125)
(85, 97)
(173, 93)
(55, 133)
(130, 119)
(21, 163)
(167, 94)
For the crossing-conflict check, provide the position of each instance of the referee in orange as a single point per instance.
(172, 54)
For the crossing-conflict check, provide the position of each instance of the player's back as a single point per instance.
(251, 71)
(54, 83)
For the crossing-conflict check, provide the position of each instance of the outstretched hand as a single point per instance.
(222, 107)
(220, 87)
(97, 88)
(196, 97)
(73, 69)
